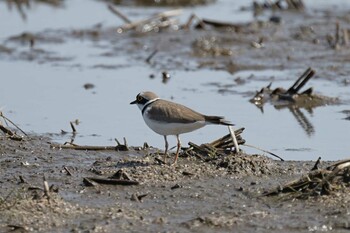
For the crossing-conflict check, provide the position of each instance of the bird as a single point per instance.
(169, 118)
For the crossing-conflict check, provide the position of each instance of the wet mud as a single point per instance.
(217, 194)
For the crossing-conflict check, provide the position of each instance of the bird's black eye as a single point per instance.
(139, 98)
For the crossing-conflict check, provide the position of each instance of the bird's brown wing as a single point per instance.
(163, 110)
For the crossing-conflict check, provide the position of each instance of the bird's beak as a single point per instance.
(134, 102)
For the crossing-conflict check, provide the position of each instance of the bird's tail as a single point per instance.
(218, 120)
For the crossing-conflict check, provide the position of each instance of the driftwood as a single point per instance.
(317, 181)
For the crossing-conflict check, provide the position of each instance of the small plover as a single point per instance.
(169, 118)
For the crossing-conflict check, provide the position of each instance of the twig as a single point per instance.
(73, 127)
(230, 128)
(337, 34)
(346, 36)
(160, 161)
(148, 60)
(137, 197)
(46, 188)
(67, 170)
(190, 20)
(22, 180)
(112, 181)
(251, 146)
(315, 167)
(89, 182)
(115, 11)
(120, 174)
(77, 147)
(126, 143)
(219, 24)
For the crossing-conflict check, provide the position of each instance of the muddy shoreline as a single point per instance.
(193, 196)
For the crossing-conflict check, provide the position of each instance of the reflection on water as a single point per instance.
(294, 99)
(24, 7)
(302, 120)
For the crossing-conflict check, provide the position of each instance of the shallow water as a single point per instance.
(43, 98)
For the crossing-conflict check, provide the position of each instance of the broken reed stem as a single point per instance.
(125, 143)
(112, 181)
(69, 173)
(148, 59)
(161, 15)
(190, 20)
(292, 89)
(230, 128)
(46, 188)
(115, 11)
(315, 167)
(337, 34)
(6, 130)
(305, 80)
(125, 146)
(346, 37)
(73, 127)
(77, 147)
(251, 146)
(226, 139)
(6, 119)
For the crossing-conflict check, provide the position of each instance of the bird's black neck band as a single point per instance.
(147, 104)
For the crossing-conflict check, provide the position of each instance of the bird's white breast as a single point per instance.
(168, 128)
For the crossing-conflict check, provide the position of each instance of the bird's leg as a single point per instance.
(178, 148)
(166, 148)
